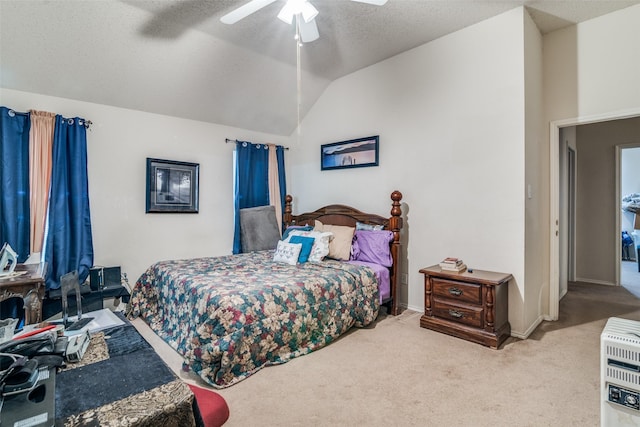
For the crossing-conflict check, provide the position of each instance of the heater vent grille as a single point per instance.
(620, 372)
(620, 376)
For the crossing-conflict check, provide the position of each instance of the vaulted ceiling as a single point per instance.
(175, 57)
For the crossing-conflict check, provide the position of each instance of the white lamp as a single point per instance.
(297, 7)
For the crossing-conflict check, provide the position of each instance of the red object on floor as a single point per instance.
(213, 408)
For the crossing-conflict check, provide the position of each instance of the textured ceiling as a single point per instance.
(175, 57)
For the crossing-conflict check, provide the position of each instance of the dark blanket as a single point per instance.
(121, 368)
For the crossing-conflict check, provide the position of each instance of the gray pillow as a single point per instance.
(258, 228)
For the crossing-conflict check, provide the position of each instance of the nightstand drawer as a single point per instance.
(460, 291)
(465, 314)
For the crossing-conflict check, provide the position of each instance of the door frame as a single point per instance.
(619, 149)
(567, 260)
(554, 194)
(572, 174)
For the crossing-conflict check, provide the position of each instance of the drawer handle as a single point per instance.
(456, 314)
(455, 291)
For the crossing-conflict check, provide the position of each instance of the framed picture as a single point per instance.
(172, 186)
(355, 153)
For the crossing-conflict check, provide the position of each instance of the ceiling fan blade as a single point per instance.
(308, 31)
(244, 11)
(373, 2)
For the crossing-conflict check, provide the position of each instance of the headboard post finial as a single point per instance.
(395, 223)
(286, 216)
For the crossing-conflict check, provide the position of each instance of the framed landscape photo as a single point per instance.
(355, 153)
(172, 186)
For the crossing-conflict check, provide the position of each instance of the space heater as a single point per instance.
(620, 373)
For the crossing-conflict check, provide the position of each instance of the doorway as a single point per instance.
(556, 229)
(567, 199)
(629, 178)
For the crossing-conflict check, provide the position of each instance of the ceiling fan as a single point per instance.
(301, 10)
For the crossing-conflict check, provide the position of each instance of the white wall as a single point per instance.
(592, 68)
(536, 290)
(591, 72)
(450, 115)
(119, 142)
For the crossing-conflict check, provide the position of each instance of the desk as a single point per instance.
(91, 300)
(122, 381)
(28, 285)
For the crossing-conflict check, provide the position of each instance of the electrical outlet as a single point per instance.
(404, 279)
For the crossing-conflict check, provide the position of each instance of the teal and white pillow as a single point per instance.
(320, 247)
(307, 246)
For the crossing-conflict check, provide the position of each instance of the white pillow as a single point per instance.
(287, 252)
(320, 247)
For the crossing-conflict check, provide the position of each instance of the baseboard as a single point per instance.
(563, 293)
(595, 282)
(524, 335)
(412, 308)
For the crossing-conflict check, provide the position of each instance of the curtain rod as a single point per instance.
(227, 140)
(87, 123)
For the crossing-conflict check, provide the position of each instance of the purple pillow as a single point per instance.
(372, 246)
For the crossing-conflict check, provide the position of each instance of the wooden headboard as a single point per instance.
(348, 216)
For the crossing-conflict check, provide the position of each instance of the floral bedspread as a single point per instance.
(230, 316)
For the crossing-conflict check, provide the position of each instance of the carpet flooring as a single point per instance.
(396, 373)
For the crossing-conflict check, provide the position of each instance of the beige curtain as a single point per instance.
(274, 185)
(40, 154)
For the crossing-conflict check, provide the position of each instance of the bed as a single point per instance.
(230, 316)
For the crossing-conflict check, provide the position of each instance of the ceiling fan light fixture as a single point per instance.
(308, 12)
(297, 7)
(308, 31)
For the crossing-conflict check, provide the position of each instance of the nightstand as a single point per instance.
(472, 306)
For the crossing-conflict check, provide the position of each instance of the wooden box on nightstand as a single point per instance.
(472, 306)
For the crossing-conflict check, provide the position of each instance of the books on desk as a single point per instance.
(453, 264)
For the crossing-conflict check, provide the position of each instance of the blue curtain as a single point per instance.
(14, 175)
(281, 178)
(69, 244)
(251, 182)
